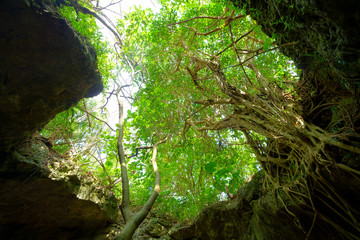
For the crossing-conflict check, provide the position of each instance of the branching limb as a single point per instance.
(100, 162)
(125, 204)
(136, 219)
(92, 115)
(234, 42)
(214, 102)
(97, 8)
(137, 151)
(87, 115)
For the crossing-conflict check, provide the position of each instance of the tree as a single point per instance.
(210, 82)
(133, 220)
(86, 26)
(216, 71)
(196, 97)
(201, 173)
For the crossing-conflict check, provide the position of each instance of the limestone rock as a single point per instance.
(155, 226)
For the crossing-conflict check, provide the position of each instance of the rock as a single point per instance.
(155, 226)
(44, 196)
(224, 220)
(45, 68)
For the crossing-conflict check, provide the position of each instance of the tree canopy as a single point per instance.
(188, 62)
(212, 84)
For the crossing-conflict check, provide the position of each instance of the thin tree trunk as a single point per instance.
(125, 204)
(133, 220)
(136, 219)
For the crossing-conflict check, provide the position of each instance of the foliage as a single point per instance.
(79, 136)
(178, 95)
(206, 70)
(211, 164)
(222, 93)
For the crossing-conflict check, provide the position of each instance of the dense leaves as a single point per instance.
(167, 55)
(207, 158)
(226, 100)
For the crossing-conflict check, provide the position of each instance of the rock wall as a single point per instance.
(45, 68)
(224, 220)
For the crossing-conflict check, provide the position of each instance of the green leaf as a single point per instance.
(267, 44)
(109, 164)
(222, 173)
(210, 167)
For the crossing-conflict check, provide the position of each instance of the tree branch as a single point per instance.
(87, 112)
(137, 151)
(232, 44)
(84, 10)
(206, 17)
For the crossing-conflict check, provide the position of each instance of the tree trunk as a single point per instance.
(133, 220)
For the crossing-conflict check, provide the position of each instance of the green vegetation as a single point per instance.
(212, 88)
